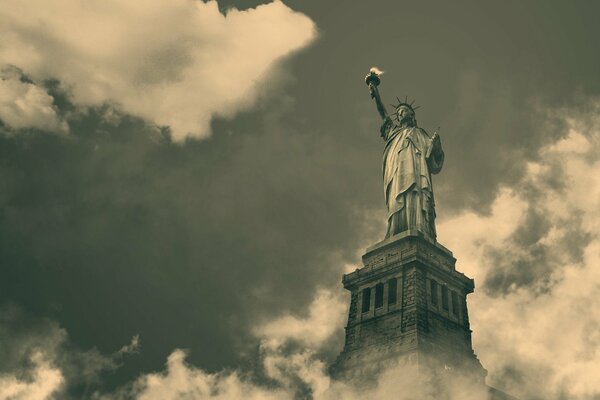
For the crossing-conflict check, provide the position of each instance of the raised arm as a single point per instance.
(372, 80)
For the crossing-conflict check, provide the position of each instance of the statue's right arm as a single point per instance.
(380, 107)
(387, 121)
(386, 127)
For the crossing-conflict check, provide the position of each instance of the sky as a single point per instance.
(183, 184)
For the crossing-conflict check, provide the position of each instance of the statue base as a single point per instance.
(408, 313)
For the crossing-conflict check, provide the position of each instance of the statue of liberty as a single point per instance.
(410, 157)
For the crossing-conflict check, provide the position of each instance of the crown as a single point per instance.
(405, 103)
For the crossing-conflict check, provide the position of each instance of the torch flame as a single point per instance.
(376, 71)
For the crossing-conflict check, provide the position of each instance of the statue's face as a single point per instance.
(406, 115)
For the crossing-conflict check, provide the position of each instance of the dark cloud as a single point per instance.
(117, 231)
(476, 69)
(29, 345)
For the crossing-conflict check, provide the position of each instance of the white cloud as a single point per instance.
(541, 339)
(132, 347)
(477, 231)
(172, 62)
(39, 362)
(26, 105)
(537, 344)
(182, 381)
(295, 375)
(326, 316)
(289, 370)
(45, 379)
(294, 372)
(29, 352)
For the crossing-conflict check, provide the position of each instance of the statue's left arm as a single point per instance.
(435, 154)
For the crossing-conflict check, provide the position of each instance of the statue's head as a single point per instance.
(405, 114)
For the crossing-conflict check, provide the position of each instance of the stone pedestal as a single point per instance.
(408, 307)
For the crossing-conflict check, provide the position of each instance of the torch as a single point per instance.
(373, 80)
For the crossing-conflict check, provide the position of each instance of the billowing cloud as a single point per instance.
(290, 363)
(26, 105)
(326, 315)
(534, 259)
(181, 380)
(195, 243)
(289, 367)
(44, 380)
(174, 63)
(38, 361)
(535, 315)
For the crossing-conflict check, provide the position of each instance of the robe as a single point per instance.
(409, 159)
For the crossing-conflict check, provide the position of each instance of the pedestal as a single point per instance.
(408, 309)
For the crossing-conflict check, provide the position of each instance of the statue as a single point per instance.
(409, 159)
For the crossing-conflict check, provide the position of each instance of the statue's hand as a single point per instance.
(372, 90)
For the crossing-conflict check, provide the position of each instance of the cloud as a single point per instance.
(132, 347)
(288, 370)
(241, 226)
(295, 376)
(44, 380)
(30, 351)
(181, 380)
(326, 316)
(26, 105)
(38, 360)
(176, 63)
(515, 316)
(535, 318)
(291, 368)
